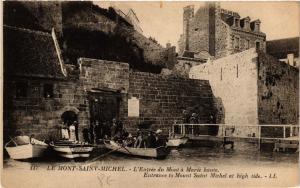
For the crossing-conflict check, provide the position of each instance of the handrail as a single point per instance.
(182, 130)
(244, 125)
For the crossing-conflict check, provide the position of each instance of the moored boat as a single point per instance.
(159, 152)
(71, 149)
(175, 142)
(23, 147)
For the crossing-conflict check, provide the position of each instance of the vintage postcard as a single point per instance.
(150, 94)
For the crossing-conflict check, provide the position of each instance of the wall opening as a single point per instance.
(21, 89)
(257, 45)
(70, 118)
(48, 90)
(103, 107)
(221, 73)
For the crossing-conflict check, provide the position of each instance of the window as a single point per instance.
(257, 27)
(237, 70)
(48, 90)
(237, 22)
(196, 29)
(247, 43)
(237, 43)
(21, 89)
(257, 45)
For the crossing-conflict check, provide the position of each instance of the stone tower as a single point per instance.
(188, 14)
(199, 29)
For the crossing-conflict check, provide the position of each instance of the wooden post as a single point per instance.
(192, 129)
(181, 129)
(259, 136)
(173, 130)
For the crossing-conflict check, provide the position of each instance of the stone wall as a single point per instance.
(35, 114)
(41, 116)
(222, 39)
(233, 80)
(162, 99)
(278, 91)
(183, 66)
(97, 75)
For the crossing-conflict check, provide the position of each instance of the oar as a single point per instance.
(125, 148)
(103, 155)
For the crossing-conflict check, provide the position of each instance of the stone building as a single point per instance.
(255, 89)
(218, 32)
(72, 72)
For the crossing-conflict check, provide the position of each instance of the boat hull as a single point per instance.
(160, 152)
(72, 151)
(26, 151)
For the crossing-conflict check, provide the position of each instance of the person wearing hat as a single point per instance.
(160, 141)
(138, 139)
(194, 118)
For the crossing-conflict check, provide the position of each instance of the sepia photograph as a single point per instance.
(150, 94)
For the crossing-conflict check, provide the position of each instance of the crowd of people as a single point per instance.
(149, 139)
(116, 131)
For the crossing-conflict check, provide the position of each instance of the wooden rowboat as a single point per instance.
(175, 142)
(26, 148)
(159, 152)
(71, 150)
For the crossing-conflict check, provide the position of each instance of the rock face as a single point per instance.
(86, 30)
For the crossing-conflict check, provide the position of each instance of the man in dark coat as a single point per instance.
(151, 140)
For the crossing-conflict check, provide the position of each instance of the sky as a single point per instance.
(163, 20)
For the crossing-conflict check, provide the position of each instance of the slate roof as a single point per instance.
(280, 48)
(30, 53)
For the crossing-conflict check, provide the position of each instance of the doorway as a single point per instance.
(103, 106)
(69, 118)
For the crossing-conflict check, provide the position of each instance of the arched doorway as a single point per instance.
(68, 118)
